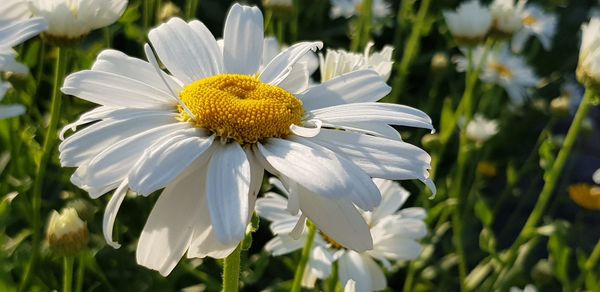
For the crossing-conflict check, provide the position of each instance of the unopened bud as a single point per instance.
(168, 11)
(559, 107)
(439, 63)
(487, 168)
(67, 234)
(430, 141)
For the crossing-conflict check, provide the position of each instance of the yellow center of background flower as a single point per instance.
(240, 108)
(529, 20)
(502, 70)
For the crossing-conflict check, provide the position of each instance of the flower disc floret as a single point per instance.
(240, 108)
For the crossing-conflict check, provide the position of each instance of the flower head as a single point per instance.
(207, 131)
(536, 22)
(481, 129)
(349, 8)
(70, 20)
(470, 23)
(588, 67)
(395, 233)
(339, 62)
(506, 17)
(505, 69)
(66, 233)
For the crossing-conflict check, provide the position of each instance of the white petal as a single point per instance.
(243, 40)
(379, 130)
(378, 157)
(89, 142)
(391, 114)
(321, 171)
(397, 248)
(393, 196)
(115, 90)
(272, 207)
(308, 278)
(20, 31)
(281, 66)
(110, 213)
(352, 267)
(378, 280)
(227, 192)
(283, 244)
(189, 51)
(113, 164)
(320, 262)
(9, 111)
(395, 225)
(116, 62)
(357, 86)
(338, 219)
(298, 229)
(168, 231)
(305, 131)
(298, 79)
(162, 163)
(413, 212)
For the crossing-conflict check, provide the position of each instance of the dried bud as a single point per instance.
(67, 234)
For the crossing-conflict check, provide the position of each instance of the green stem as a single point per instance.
(231, 270)
(411, 50)
(146, 14)
(190, 12)
(68, 273)
(312, 231)
(36, 199)
(554, 173)
(80, 274)
(594, 257)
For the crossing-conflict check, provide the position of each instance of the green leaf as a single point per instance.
(484, 213)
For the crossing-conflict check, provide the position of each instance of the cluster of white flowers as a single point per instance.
(472, 22)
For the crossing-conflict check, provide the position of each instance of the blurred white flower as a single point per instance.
(527, 288)
(596, 176)
(339, 62)
(588, 67)
(207, 131)
(506, 17)
(536, 22)
(12, 110)
(349, 8)
(73, 19)
(395, 233)
(505, 69)
(470, 23)
(481, 129)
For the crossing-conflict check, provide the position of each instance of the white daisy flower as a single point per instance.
(588, 67)
(596, 176)
(505, 69)
(207, 131)
(536, 22)
(339, 62)
(395, 234)
(481, 129)
(9, 111)
(349, 8)
(507, 17)
(470, 23)
(70, 20)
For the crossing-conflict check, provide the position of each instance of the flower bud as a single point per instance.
(506, 18)
(559, 107)
(487, 168)
(469, 24)
(439, 63)
(430, 141)
(588, 67)
(66, 234)
(168, 11)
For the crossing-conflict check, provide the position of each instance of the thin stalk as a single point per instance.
(192, 6)
(551, 179)
(231, 270)
(411, 49)
(312, 231)
(593, 259)
(36, 194)
(554, 173)
(68, 273)
(146, 10)
(80, 274)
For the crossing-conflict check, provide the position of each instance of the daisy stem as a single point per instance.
(192, 6)
(80, 274)
(68, 273)
(553, 175)
(312, 231)
(146, 16)
(231, 270)
(36, 194)
(593, 259)
(411, 49)
(362, 32)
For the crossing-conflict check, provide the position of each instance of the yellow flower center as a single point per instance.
(529, 20)
(240, 108)
(501, 70)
